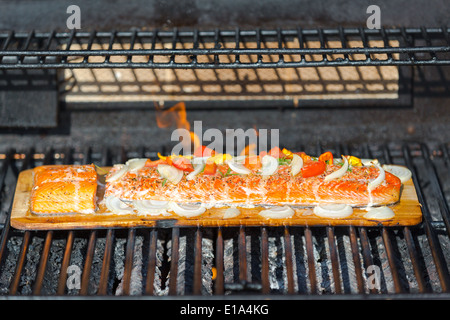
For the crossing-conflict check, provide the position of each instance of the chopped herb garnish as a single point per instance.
(164, 182)
(284, 161)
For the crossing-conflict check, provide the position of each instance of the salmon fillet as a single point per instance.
(64, 189)
(254, 189)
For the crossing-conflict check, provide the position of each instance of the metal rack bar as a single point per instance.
(265, 261)
(13, 58)
(433, 241)
(219, 280)
(129, 253)
(197, 289)
(85, 276)
(174, 261)
(42, 264)
(151, 266)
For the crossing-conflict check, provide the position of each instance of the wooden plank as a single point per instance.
(407, 213)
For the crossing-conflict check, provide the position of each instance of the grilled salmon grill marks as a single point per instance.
(64, 189)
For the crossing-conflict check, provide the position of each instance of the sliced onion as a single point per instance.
(333, 210)
(197, 169)
(338, 173)
(238, 167)
(375, 183)
(239, 159)
(198, 160)
(231, 213)
(277, 212)
(151, 206)
(170, 173)
(369, 162)
(135, 164)
(116, 205)
(380, 213)
(118, 174)
(187, 209)
(403, 173)
(296, 164)
(269, 165)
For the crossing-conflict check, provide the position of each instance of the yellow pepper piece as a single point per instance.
(219, 158)
(354, 161)
(161, 156)
(173, 156)
(287, 152)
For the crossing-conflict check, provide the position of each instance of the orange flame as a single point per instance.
(176, 116)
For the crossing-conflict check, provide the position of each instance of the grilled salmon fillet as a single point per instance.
(64, 189)
(228, 188)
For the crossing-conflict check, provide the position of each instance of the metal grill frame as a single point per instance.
(359, 239)
(42, 50)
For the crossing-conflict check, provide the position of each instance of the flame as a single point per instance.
(176, 116)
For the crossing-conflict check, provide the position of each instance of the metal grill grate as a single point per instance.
(300, 261)
(232, 49)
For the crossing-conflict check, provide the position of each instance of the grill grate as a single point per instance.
(250, 261)
(227, 49)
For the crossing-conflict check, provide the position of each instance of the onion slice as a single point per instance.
(135, 164)
(197, 169)
(238, 167)
(277, 212)
(338, 173)
(403, 173)
(269, 165)
(170, 173)
(296, 164)
(187, 209)
(118, 174)
(116, 205)
(333, 210)
(376, 182)
(380, 213)
(231, 212)
(150, 206)
(369, 162)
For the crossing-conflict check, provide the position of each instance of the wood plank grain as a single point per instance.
(407, 213)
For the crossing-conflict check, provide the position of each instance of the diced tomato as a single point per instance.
(276, 153)
(210, 168)
(253, 163)
(182, 164)
(262, 154)
(155, 163)
(313, 168)
(327, 156)
(204, 151)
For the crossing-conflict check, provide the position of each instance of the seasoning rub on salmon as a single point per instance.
(223, 186)
(64, 189)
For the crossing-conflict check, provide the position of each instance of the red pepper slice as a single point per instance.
(303, 155)
(313, 168)
(155, 163)
(253, 163)
(327, 156)
(276, 153)
(203, 151)
(182, 164)
(210, 168)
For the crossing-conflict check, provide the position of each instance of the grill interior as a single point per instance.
(273, 69)
(250, 262)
